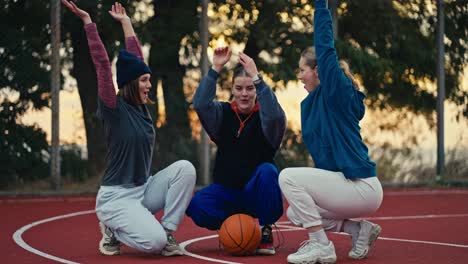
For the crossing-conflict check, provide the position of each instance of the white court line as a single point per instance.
(19, 240)
(91, 198)
(404, 217)
(193, 255)
(425, 192)
(17, 236)
(293, 228)
(424, 242)
(47, 200)
(416, 217)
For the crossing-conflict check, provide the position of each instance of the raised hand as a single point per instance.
(248, 63)
(77, 11)
(220, 58)
(118, 12)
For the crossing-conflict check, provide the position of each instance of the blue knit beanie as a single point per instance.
(129, 68)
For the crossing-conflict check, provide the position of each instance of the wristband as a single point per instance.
(257, 78)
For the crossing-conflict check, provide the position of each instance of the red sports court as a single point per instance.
(419, 226)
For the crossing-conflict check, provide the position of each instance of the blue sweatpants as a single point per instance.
(260, 198)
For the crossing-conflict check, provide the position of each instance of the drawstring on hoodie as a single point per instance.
(242, 122)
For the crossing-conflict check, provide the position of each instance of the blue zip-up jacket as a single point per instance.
(330, 114)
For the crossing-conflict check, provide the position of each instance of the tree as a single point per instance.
(392, 59)
(24, 149)
(390, 44)
(84, 72)
(172, 22)
(24, 85)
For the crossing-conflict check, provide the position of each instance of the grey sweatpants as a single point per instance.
(129, 212)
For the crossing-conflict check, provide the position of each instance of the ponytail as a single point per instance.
(311, 60)
(345, 67)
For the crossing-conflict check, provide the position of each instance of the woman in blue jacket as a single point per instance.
(343, 184)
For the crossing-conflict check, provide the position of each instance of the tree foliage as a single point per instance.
(173, 21)
(24, 85)
(389, 44)
(24, 149)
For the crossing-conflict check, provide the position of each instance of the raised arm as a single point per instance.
(106, 90)
(208, 109)
(336, 84)
(131, 41)
(272, 116)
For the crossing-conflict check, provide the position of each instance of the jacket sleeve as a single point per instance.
(133, 46)
(106, 90)
(272, 116)
(337, 87)
(209, 111)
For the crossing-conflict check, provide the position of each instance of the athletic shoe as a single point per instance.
(266, 245)
(172, 248)
(368, 233)
(109, 245)
(311, 251)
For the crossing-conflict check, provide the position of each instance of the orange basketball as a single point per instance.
(240, 235)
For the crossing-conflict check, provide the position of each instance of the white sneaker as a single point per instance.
(368, 233)
(109, 245)
(311, 251)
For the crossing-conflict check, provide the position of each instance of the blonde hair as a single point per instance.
(311, 60)
(309, 56)
(345, 67)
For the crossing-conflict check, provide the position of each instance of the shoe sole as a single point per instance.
(321, 261)
(172, 253)
(108, 253)
(103, 251)
(375, 232)
(264, 251)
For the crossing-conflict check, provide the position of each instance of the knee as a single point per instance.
(267, 170)
(200, 217)
(205, 221)
(187, 171)
(290, 214)
(292, 217)
(187, 167)
(153, 243)
(285, 178)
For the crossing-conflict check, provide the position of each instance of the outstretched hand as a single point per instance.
(77, 11)
(248, 63)
(118, 12)
(221, 57)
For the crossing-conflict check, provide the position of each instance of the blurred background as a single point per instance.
(417, 107)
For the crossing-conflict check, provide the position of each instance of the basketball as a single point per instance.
(240, 235)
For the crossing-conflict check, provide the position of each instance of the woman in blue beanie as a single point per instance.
(248, 132)
(129, 197)
(343, 184)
